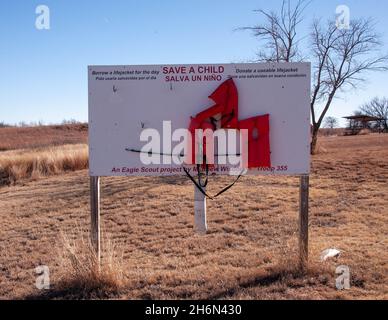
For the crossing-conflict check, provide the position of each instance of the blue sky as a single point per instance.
(44, 72)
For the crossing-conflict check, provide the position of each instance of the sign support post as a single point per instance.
(95, 232)
(303, 220)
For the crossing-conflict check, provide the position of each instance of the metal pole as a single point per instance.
(95, 216)
(303, 221)
(200, 224)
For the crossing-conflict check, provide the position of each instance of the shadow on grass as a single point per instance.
(172, 180)
(264, 280)
(75, 291)
(288, 277)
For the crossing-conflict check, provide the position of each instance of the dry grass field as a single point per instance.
(12, 138)
(17, 165)
(151, 251)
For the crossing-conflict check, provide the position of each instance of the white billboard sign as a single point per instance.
(127, 104)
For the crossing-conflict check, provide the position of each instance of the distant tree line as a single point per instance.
(3, 124)
(24, 124)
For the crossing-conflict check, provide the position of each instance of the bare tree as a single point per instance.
(377, 107)
(331, 122)
(278, 33)
(340, 57)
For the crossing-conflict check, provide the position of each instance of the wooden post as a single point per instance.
(200, 224)
(303, 221)
(95, 216)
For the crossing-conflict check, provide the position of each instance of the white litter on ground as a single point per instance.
(330, 253)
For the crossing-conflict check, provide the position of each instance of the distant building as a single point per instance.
(357, 123)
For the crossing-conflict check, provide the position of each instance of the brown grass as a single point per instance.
(82, 276)
(24, 164)
(249, 252)
(13, 138)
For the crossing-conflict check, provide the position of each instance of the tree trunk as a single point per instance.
(314, 139)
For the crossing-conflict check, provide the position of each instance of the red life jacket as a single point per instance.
(226, 109)
(259, 154)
